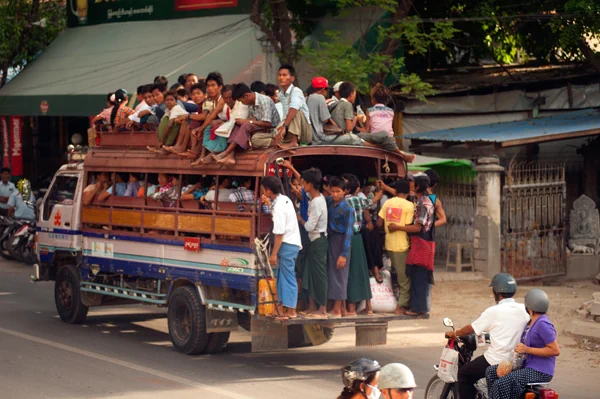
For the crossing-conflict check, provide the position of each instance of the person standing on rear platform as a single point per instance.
(286, 246)
(314, 280)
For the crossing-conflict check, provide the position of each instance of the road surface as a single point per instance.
(126, 352)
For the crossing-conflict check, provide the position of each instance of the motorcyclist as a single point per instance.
(20, 203)
(360, 380)
(538, 343)
(396, 381)
(504, 322)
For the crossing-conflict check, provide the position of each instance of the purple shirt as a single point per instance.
(542, 333)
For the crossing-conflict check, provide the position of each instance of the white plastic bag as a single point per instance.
(448, 367)
(384, 300)
(225, 129)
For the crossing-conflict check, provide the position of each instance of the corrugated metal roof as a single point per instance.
(556, 127)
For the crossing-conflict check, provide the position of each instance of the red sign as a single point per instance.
(191, 244)
(44, 106)
(5, 143)
(271, 171)
(187, 5)
(16, 135)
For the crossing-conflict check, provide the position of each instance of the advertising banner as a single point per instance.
(93, 12)
(5, 142)
(16, 141)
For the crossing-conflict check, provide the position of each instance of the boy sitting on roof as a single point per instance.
(262, 116)
(296, 126)
(144, 110)
(194, 121)
(169, 128)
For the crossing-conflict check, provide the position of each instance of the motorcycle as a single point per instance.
(7, 229)
(21, 243)
(466, 347)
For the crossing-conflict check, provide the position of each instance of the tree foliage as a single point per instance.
(22, 34)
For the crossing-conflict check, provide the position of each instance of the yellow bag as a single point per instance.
(266, 301)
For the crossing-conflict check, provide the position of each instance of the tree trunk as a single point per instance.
(283, 31)
(4, 78)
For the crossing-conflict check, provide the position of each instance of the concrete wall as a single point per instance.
(582, 267)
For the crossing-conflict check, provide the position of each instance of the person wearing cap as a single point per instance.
(538, 344)
(295, 129)
(336, 94)
(504, 322)
(319, 112)
(396, 381)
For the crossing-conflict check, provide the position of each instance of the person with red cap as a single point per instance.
(319, 113)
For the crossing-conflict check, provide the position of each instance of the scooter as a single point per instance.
(7, 229)
(466, 347)
(22, 242)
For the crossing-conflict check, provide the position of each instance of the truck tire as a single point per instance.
(217, 342)
(187, 321)
(67, 295)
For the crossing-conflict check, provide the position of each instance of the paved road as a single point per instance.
(126, 352)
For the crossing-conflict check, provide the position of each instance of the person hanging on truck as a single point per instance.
(286, 246)
(504, 322)
(97, 191)
(314, 280)
(296, 128)
(359, 288)
(539, 348)
(340, 231)
(21, 203)
(7, 188)
(440, 215)
(262, 117)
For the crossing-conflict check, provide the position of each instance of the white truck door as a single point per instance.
(59, 217)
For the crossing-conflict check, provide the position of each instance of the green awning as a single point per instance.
(82, 65)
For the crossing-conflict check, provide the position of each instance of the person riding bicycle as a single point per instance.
(504, 322)
(396, 381)
(360, 380)
(21, 202)
(538, 344)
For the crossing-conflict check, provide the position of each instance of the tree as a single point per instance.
(26, 28)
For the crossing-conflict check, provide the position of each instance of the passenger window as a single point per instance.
(62, 192)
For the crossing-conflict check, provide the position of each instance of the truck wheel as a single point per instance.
(297, 338)
(217, 342)
(187, 321)
(67, 295)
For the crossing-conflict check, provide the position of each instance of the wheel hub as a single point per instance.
(65, 293)
(183, 321)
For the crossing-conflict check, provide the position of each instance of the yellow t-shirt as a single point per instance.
(398, 211)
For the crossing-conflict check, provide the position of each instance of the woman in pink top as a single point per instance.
(380, 117)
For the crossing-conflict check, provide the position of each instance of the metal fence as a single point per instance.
(457, 191)
(533, 220)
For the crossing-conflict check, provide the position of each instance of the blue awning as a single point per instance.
(507, 134)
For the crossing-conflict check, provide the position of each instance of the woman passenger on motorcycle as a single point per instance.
(538, 344)
(360, 380)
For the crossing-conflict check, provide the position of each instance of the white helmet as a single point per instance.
(396, 376)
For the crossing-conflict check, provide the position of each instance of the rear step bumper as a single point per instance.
(376, 318)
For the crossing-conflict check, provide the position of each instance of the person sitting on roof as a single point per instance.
(140, 98)
(194, 121)
(296, 122)
(262, 116)
(104, 116)
(343, 115)
(212, 109)
(158, 90)
(168, 129)
(120, 111)
(144, 112)
(272, 91)
(319, 112)
(184, 100)
(190, 80)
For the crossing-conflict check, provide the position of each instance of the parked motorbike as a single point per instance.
(466, 347)
(7, 229)
(21, 243)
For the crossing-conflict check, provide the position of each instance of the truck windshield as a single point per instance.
(62, 192)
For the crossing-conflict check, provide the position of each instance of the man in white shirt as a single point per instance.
(286, 246)
(225, 191)
(7, 188)
(296, 127)
(504, 322)
(314, 278)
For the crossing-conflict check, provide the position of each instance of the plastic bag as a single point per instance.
(448, 367)
(517, 360)
(225, 129)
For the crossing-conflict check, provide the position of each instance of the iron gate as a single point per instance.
(534, 219)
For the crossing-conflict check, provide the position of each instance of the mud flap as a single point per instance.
(220, 321)
(268, 336)
(315, 334)
(371, 334)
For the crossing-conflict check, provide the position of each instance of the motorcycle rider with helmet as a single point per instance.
(504, 322)
(538, 344)
(360, 380)
(20, 203)
(396, 381)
